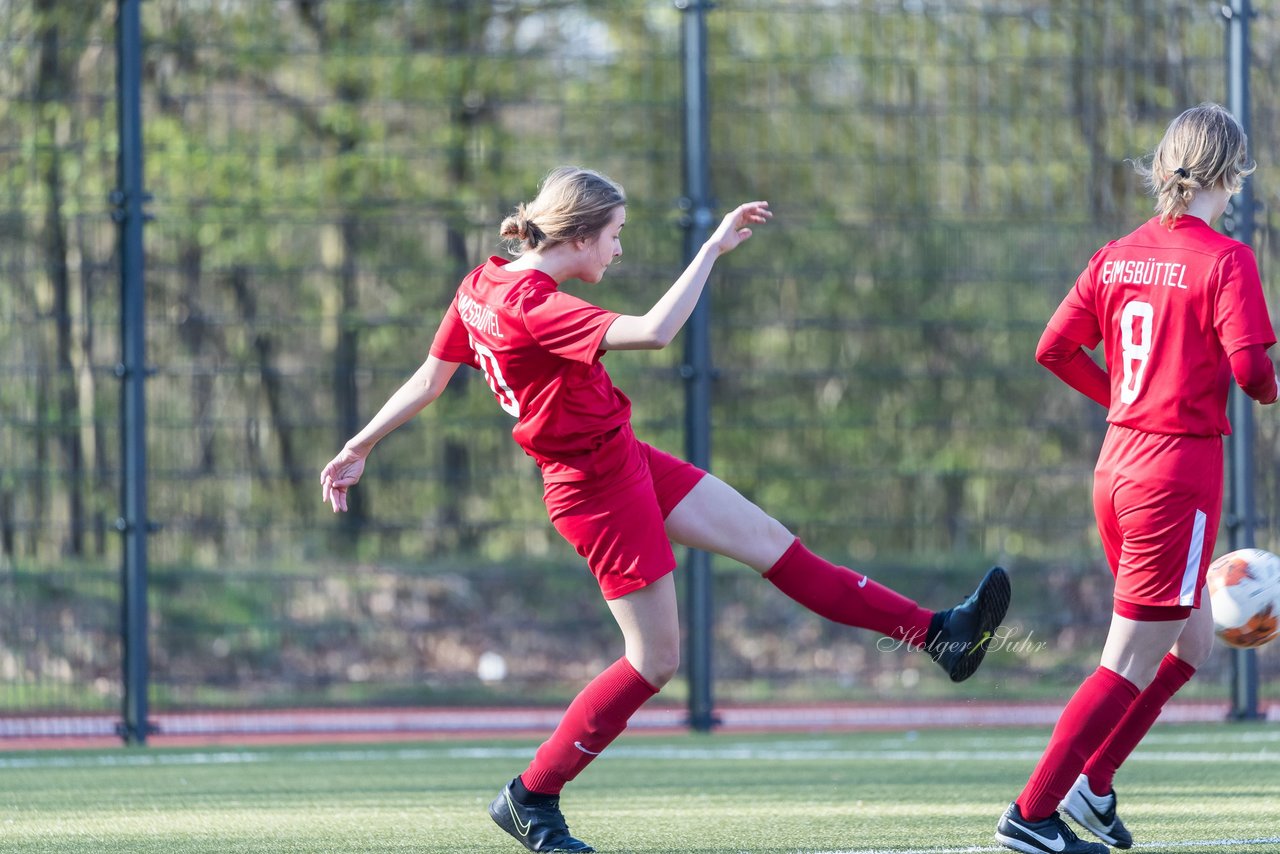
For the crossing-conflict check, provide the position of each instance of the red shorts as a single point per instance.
(614, 515)
(1158, 500)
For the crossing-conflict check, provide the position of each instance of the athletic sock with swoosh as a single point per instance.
(595, 718)
(844, 596)
(1101, 767)
(1090, 716)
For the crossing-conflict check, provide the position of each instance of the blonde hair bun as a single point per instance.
(572, 204)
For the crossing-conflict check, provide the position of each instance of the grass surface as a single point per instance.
(1187, 790)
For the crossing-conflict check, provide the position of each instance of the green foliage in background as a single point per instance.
(324, 171)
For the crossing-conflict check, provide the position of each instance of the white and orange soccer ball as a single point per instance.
(1244, 595)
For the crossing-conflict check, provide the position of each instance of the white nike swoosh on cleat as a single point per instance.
(578, 745)
(863, 582)
(522, 829)
(1054, 843)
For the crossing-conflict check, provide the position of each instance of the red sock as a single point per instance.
(595, 718)
(843, 596)
(1101, 767)
(1090, 716)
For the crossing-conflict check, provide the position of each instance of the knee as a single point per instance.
(1194, 650)
(1140, 674)
(658, 666)
(666, 667)
(1138, 664)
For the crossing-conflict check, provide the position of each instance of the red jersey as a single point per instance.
(539, 350)
(1169, 306)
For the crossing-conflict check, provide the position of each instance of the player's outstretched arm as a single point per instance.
(659, 325)
(344, 470)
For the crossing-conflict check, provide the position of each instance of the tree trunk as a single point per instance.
(194, 331)
(272, 388)
(346, 393)
(52, 86)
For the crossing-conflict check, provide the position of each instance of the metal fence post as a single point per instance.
(697, 370)
(1239, 224)
(127, 210)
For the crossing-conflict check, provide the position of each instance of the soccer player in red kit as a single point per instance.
(1179, 311)
(620, 502)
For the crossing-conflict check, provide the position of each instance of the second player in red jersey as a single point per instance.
(1170, 303)
(1179, 311)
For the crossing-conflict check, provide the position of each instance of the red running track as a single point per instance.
(298, 726)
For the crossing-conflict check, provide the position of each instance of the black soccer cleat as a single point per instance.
(1049, 836)
(965, 631)
(1096, 814)
(538, 827)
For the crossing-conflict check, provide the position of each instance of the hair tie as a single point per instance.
(1182, 173)
(530, 233)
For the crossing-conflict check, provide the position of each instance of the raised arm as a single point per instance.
(657, 327)
(416, 394)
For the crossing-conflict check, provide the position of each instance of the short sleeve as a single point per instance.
(565, 325)
(451, 343)
(1240, 310)
(1076, 318)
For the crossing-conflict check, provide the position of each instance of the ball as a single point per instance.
(491, 667)
(1244, 596)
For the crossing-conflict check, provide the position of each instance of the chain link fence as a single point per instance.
(324, 173)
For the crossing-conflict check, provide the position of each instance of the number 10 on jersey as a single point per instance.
(493, 374)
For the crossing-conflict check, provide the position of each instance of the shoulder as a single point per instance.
(1187, 234)
(1105, 248)
(547, 308)
(532, 291)
(1219, 243)
(1193, 234)
(1231, 260)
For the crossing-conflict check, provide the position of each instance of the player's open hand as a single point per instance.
(736, 225)
(341, 473)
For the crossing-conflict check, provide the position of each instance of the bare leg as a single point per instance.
(650, 627)
(1195, 643)
(715, 517)
(1134, 649)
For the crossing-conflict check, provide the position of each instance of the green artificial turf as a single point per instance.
(1189, 789)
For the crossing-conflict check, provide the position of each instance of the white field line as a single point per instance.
(1201, 843)
(791, 752)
